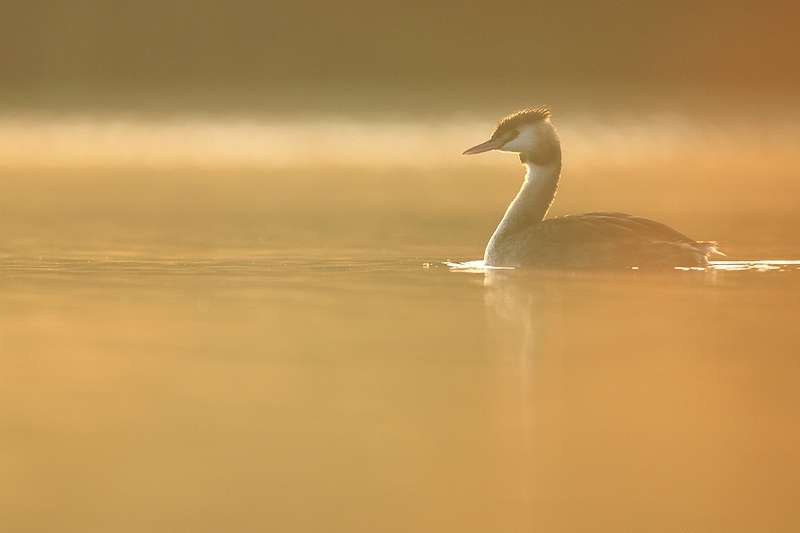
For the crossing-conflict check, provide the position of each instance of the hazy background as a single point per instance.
(124, 116)
(94, 53)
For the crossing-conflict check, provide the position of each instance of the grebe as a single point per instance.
(524, 238)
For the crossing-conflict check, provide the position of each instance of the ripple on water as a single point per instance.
(171, 266)
(770, 265)
(182, 267)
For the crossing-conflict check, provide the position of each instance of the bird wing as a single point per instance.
(606, 226)
(610, 239)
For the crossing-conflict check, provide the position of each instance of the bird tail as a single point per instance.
(709, 248)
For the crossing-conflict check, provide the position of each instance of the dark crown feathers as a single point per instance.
(526, 116)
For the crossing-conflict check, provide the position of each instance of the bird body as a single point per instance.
(524, 238)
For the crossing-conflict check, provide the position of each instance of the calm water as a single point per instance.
(188, 344)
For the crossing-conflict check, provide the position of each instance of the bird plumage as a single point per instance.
(602, 239)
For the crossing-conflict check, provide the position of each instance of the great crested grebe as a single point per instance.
(525, 238)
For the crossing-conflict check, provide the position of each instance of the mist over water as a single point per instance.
(84, 176)
(344, 138)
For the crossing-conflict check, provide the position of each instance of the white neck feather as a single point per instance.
(531, 204)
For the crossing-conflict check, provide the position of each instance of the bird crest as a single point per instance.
(526, 116)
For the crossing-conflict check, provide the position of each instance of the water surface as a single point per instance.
(187, 344)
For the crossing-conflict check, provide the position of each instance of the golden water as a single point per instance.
(198, 337)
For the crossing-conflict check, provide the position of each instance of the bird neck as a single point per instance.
(532, 201)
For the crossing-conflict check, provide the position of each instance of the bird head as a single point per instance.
(527, 132)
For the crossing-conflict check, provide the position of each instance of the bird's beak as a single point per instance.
(491, 144)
